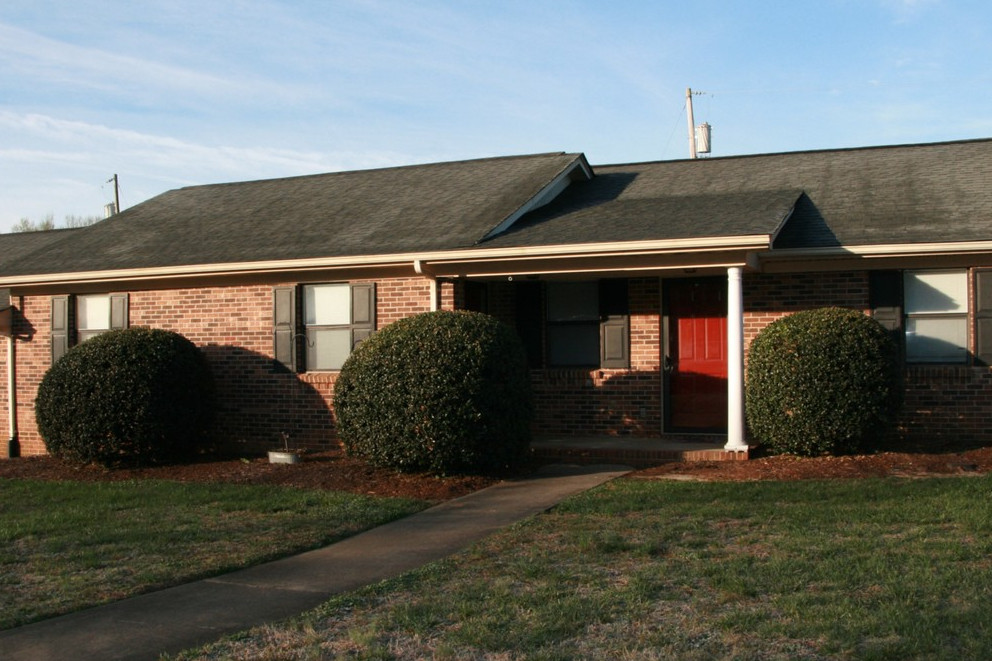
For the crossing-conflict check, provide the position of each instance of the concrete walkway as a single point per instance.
(189, 615)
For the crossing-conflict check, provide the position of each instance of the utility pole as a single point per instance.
(692, 123)
(117, 194)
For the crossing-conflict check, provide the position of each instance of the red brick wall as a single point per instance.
(4, 417)
(257, 400)
(945, 406)
(33, 356)
(610, 402)
(768, 297)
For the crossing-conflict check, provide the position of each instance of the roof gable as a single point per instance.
(387, 211)
(879, 195)
(530, 207)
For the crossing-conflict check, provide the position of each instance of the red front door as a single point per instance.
(697, 355)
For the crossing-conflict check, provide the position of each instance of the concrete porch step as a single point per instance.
(637, 452)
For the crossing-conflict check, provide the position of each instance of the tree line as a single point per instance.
(48, 223)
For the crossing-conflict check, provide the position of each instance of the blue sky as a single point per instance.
(175, 93)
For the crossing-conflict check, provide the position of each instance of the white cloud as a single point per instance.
(50, 60)
(64, 162)
(908, 10)
(34, 60)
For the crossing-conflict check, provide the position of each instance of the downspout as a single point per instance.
(13, 449)
(420, 269)
(7, 330)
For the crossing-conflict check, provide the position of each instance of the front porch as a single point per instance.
(637, 452)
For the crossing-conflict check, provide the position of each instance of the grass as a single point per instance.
(69, 545)
(859, 569)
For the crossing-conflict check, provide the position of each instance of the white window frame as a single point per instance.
(936, 308)
(327, 320)
(93, 313)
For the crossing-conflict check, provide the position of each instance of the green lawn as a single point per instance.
(68, 545)
(845, 569)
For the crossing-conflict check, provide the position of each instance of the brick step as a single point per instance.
(637, 452)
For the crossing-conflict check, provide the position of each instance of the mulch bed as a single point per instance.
(325, 470)
(788, 467)
(336, 471)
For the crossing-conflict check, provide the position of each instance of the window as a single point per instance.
(78, 318)
(936, 309)
(335, 318)
(926, 312)
(573, 324)
(92, 316)
(328, 320)
(587, 324)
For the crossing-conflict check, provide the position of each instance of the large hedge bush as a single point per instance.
(126, 396)
(445, 392)
(824, 381)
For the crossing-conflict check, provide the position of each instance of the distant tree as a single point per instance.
(28, 225)
(80, 221)
(48, 223)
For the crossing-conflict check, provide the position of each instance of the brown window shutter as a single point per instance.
(118, 311)
(885, 297)
(614, 342)
(284, 326)
(61, 306)
(529, 320)
(614, 327)
(983, 317)
(362, 312)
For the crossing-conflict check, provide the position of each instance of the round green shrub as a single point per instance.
(444, 392)
(126, 396)
(823, 381)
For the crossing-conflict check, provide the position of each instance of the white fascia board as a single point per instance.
(426, 262)
(882, 250)
(749, 242)
(580, 167)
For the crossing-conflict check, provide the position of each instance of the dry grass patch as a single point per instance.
(875, 569)
(69, 545)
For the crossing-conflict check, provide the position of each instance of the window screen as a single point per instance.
(936, 316)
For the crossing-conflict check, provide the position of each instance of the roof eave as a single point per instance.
(881, 250)
(440, 263)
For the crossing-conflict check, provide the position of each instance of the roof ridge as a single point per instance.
(385, 168)
(47, 231)
(830, 150)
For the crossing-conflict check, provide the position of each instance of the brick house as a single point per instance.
(636, 289)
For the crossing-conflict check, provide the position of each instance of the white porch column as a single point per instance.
(735, 361)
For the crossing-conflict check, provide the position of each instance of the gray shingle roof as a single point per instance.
(582, 215)
(392, 210)
(881, 195)
(17, 245)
